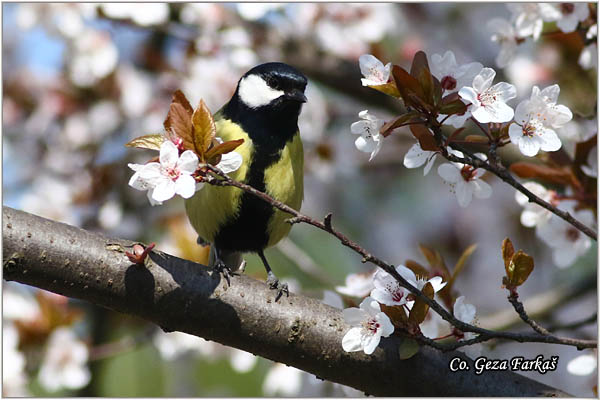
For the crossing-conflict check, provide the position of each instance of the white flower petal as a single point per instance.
(529, 145)
(469, 94)
(353, 316)
(230, 162)
(168, 154)
(352, 340)
(188, 162)
(482, 190)
(550, 141)
(164, 191)
(464, 193)
(449, 173)
(185, 186)
(483, 80)
(371, 342)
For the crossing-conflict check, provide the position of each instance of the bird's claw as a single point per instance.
(224, 270)
(281, 288)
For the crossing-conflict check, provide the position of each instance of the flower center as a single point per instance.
(567, 8)
(398, 295)
(487, 97)
(448, 83)
(531, 127)
(468, 172)
(572, 234)
(372, 325)
(173, 173)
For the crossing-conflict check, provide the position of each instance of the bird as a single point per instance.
(263, 111)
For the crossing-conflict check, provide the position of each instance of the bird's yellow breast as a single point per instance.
(284, 182)
(213, 206)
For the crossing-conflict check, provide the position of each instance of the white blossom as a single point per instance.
(357, 285)
(434, 326)
(464, 180)
(370, 140)
(566, 15)
(504, 34)
(282, 380)
(467, 313)
(172, 175)
(591, 167)
(534, 214)
(566, 241)
(488, 103)
(65, 362)
(369, 325)
(373, 70)
(535, 119)
(389, 292)
(416, 157)
(451, 75)
(527, 18)
(583, 365)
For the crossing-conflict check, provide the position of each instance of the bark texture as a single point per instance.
(180, 295)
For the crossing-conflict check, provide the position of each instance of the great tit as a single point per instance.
(264, 112)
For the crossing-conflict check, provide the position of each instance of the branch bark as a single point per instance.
(180, 295)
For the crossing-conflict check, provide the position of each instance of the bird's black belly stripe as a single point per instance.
(248, 231)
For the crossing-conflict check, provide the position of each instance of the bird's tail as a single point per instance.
(232, 259)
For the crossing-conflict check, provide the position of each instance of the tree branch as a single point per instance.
(181, 295)
(484, 334)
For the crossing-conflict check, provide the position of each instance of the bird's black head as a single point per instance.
(272, 86)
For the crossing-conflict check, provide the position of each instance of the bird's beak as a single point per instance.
(296, 95)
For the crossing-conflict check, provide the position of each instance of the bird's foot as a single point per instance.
(222, 268)
(274, 284)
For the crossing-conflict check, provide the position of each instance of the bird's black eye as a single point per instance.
(273, 82)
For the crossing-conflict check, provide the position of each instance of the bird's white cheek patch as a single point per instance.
(255, 92)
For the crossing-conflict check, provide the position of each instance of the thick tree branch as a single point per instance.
(180, 295)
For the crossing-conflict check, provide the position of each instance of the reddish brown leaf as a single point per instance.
(455, 134)
(396, 122)
(417, 268)
(453, 107)
(420, 308)
(559, 175)
(181, 124)
(204, 128)
(179, 97)
(424, 136)
(426, 81)
(477, 139)
(419, 63)
(508, 251)
(397, 315)
(223, 148)
(407, 85)
(520, 268)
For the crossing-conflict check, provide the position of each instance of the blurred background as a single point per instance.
(81, 80)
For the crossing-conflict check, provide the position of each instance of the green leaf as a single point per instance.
(204, 129)
(420, 308)
(152, 142)
(520, 266)
(407, 348)
(388, 88)
(425, 137)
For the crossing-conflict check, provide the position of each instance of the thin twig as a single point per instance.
(502, 173)
(326, 226)
(513, 298)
